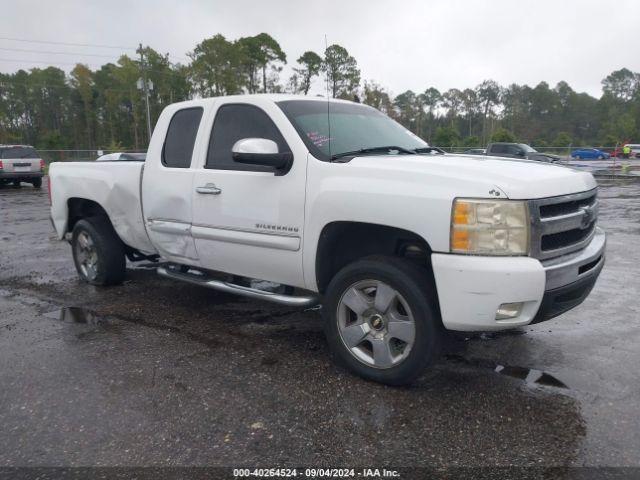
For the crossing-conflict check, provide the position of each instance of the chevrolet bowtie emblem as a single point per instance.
(587, 217)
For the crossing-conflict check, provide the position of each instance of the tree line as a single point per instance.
(105, 108)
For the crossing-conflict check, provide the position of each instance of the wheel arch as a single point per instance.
(342, 242)
(80, 208)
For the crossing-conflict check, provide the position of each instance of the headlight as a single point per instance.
(489, 227)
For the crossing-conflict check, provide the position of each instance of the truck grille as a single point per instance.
(561, 225)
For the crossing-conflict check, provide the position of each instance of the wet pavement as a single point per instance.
(159, 373)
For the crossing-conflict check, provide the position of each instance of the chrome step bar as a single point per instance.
(289, 300)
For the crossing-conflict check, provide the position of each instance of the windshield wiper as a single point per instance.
(385, 148)
(429, 150)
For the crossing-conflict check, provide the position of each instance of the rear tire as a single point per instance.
(37, 182)
(98, 252)
(381, 319)
(17, 183)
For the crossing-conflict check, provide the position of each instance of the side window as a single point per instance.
(513, 149)
(234, 122)
(181, 137)
(498, 149)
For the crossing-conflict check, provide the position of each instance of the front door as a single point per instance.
(247, 219)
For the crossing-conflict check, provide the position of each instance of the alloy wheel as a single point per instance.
(376, 324)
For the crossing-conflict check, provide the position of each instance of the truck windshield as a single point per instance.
(354, 127)
(527, 148)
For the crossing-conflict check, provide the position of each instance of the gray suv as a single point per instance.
(20, 163)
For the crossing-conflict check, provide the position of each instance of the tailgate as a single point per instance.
(17, 165)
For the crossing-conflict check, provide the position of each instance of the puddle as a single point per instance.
(83, 316)
(531, 376)
(75, 315)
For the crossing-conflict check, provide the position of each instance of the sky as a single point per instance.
(401, 44)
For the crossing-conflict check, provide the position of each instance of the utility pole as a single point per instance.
(145, 87)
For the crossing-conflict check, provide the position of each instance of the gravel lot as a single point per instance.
(158, 373)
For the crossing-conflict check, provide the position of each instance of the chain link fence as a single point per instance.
(50, 156)
(612, 166)
(564, 152)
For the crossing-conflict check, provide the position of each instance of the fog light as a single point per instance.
(509, 310)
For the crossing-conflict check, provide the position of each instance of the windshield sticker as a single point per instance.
(318, 138)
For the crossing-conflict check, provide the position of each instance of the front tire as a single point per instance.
(98, 253)
(381, 319)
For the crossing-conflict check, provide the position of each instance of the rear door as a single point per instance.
(498, 150)
(20, 159)
(167, 179)
(253, 225)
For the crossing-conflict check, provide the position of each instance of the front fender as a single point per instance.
(419, 203)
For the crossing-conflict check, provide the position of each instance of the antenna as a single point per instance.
(326, 47)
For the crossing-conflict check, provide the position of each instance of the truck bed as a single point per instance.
(113, 185)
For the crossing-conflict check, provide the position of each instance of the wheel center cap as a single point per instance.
(376, 321)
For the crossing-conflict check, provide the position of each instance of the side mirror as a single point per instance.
(521, 153)
(260, 151)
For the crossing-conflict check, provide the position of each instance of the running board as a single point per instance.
(289, 300)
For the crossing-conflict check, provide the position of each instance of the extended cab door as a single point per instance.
(167, 181)
(248, 219)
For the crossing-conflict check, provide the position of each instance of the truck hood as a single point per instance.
(536, 155)
(518, 179)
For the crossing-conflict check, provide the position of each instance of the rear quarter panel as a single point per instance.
(115, 186)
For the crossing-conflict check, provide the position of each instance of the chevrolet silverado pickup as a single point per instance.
(333, 203)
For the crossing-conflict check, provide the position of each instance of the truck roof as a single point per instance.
(274, 97)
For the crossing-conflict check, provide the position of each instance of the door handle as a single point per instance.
(209, 189)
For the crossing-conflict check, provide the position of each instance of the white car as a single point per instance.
(332, 200)
(122, 157)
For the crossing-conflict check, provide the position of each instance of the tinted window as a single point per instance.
(527, 148)
(19, 152)
(499, 149)
(181, 136)
(234, 122)
(513, 150)
(134, 156)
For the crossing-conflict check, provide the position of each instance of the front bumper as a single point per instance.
(472, 288)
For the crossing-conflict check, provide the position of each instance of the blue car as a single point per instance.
(589, 153)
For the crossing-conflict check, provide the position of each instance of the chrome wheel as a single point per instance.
(376, 324)
(86, 255)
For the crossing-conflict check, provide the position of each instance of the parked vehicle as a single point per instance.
(21, 163)
(589, 154)
(635, 150)
(331, 201)
(475, 151)
(519, 150)
(122, 157)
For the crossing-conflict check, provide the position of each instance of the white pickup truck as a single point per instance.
(338, 204)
